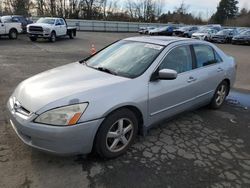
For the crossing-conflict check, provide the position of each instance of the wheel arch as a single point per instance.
(53, 31)
(130, 107)
(13, 28)
(135, 109)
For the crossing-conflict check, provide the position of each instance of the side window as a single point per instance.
(15, 20)
(62, 22)
(178, 59)
(217, 57)
(204, 55)
(58, 22)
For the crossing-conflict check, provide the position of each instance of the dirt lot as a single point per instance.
(203, 148)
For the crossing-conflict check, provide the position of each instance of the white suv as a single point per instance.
(10, 27)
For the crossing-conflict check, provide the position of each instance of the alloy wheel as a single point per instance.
(119, 135)
(220, 95)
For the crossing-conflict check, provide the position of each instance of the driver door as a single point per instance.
(58, 27)
(169, 97)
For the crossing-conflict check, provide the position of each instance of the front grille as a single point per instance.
(35, 29)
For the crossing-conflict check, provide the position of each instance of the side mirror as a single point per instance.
(164, 74)
(167, 74)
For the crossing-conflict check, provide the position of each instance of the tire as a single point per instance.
(71, 36)
(33, 39)
(227, 40)
(52, 37)
(112, 139)
(13, 34)
(220, 95)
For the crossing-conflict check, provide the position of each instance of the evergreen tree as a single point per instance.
(226, 10)
(21, 7)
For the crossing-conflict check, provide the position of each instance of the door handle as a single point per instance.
(191, 79)
(220, 69)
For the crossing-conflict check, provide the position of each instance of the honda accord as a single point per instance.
(102, 102)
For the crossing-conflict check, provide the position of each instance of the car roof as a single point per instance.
(160, 40)
(51, 17)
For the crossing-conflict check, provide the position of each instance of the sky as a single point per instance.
(205, 7)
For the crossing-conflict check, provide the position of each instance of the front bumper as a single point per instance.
(39, 35)
(241, 41)
(76, 139)
(219, 39)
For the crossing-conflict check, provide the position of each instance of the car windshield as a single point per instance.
(125, 58)
(185, 28)
(223, 32)
(46, 20)
(245, 33)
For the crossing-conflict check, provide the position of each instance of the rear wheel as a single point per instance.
(13, 34)
(116, 133)
(71, 35)
(220, 95)
(52, 37)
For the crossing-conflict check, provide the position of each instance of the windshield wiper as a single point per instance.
(106, 70)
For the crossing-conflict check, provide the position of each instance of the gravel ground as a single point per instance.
(203, 148)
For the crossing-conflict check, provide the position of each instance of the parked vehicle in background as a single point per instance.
(211, 26)
(10, 27)
(224, 36)
(85, 106)
(50, 28)
(23, 20)
(167, 31)
(242, 38)
(186, 31)
(205, 34)
(145, 30)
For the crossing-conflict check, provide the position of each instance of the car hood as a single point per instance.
(154, 30)
(40, 24)
(50, 86)
(220, 35)
(242, 36)
(200, 34)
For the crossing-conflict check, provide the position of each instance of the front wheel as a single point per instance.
(33, 39)
(71, 35)
(220, 95)
(116, 133)
(52, 37)
(13, 34)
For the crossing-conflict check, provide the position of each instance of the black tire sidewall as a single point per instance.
(100, 141)
(33, 39)
(10, 34)
(51, 38)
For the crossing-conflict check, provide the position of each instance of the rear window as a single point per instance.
(205, 55)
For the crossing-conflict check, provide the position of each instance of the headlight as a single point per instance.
(68, 115)
(46, 30)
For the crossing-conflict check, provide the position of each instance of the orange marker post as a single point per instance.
(92, 50)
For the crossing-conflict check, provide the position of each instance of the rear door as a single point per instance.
(169, 97)
(209, 71)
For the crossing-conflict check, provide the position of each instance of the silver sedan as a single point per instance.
(102, 102)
